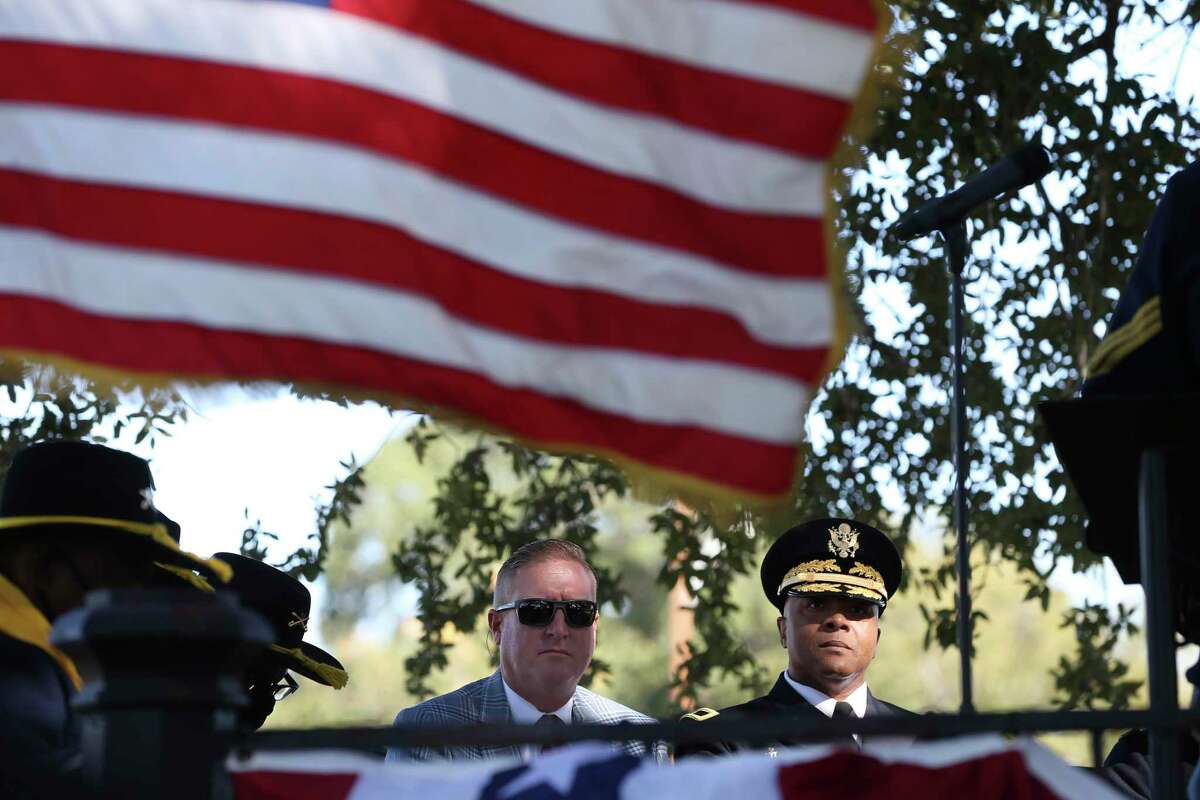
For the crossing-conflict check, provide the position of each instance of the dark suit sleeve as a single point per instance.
(1168, 269)
(1180, 266)
(34, 697)
(883, 708)
(702, 748)
(1127, 765)
(691, 749)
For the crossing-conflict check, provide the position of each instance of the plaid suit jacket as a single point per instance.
(484, 701)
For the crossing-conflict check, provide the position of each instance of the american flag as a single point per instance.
(597, 225)
(984, 768)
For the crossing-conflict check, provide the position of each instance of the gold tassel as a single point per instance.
(182, 572)
(337, 678)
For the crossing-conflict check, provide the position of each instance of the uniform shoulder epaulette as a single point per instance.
(701, 714)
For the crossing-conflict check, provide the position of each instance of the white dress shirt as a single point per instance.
(824, 703)
(526, 713)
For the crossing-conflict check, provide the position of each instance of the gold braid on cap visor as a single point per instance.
(187, 576)
(805, 579)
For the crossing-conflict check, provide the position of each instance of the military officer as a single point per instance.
(831, 580)
(1141, 390)
(1152, 345)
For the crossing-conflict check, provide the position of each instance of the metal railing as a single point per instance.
(761, 730)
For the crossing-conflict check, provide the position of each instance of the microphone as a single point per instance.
(1017, 169)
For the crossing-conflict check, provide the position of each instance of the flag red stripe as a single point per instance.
(306, 241)
(846, 774)
(794, 120)
(469, 154)
(264, 785)
(859, 14)
(39, 326)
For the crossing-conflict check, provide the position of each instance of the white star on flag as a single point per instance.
(147, 499)
(556, 769)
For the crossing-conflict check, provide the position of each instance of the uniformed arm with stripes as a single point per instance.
(713, 748)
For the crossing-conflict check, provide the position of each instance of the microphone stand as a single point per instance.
(955, 237)
(947, 216)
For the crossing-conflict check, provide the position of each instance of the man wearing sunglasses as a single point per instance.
(543, 621)
(831, 580)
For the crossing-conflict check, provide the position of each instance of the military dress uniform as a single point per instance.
(284, 602)
(1141, 390)
(1142, 386)
(54, 489)
(1152, 345)
(39, 733)
(831, 557)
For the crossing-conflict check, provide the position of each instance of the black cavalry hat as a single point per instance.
(184, 573)
(92, 487)
(285, 603)
(831, 557)
(1099, 441)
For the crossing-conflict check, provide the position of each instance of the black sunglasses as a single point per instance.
(285, 687)
(538, 613)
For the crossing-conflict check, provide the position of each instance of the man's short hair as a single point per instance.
(541, 550)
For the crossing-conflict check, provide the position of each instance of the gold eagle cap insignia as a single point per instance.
(843, 541)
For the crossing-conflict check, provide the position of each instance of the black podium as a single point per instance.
(1132, 460)
(163, 681)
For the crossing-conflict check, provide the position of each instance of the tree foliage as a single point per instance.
(1092, 677)
(43, 403)
(980, 80)
(308, 561)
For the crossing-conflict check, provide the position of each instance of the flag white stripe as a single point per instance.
(308, 41)
(311, 174)
(142, 285)
(749, 775)
(1064, 779)
(374, 778)
(753, 41)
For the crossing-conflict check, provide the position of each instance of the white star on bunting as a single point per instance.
(555, 769)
